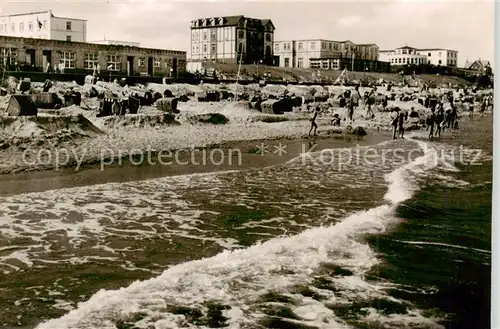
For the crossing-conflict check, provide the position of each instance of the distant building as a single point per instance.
(79, 57)
(414, 56)
(483, 67)
(118, 43)
(44, 25)
(324, 54)
(232, 39)
(403, 56)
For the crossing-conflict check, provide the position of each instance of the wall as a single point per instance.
(163, 59)
(27, 21)
(58, 31)
(204, 40)
(441, 57)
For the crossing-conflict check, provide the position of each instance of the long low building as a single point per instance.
(79, 57)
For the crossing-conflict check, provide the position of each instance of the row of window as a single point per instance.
(41, 25)
(91, 60)
(195, 35)
(404, 60)
(414, 51)
(324, 45)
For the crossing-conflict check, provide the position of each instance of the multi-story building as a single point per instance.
(44, 25)
(321, 53)
(79, 57)
(232, 39)
(412, 56)
(440, 56)
(403, 56)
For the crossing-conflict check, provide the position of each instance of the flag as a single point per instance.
(39, 23)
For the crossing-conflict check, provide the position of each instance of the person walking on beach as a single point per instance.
(430, 121)
(369, 101)
(314, 125)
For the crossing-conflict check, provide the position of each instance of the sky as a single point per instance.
(466, 26)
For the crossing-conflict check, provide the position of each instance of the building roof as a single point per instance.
(407, 47)
(30, 13)
(232, 21)
(44, 12)
(434, 49)
(483, 63)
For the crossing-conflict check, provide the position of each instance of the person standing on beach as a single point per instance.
(430, 121)
(395, 122)
(401, 129)
(314, 125)
(439, 120)
(354, 102)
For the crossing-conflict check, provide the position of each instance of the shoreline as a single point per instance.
(92, 173)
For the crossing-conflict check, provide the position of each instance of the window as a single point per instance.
(68, 59)
(214, 48)
(8, 56)
(399, 60)
(13, 27)
(68, 26)
(44, 24)
(204, 48)
(301, 46)
(21, 27)
(325, 65)
(90, 60)
(114, 63)
(241, 35)
(268, 37)
(157, 62)
(277, 47)
(268, 50)
(287, 62)
(313, 45)
(439, 62)
(429, 54)
(323, 45)
(205, 35)
(405, 51)
(30, 26)
(300, 62)
(68, 38)
(287, 46)
(330, 46)
(439, 54)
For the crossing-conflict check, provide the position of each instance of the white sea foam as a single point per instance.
(237, 278)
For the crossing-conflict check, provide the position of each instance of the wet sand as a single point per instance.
(241, 155)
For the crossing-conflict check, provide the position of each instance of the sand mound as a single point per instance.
(206, 118)
(45, 130)
(141, 120)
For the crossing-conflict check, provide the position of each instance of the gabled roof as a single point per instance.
(407, 47)
(233, 21)
(468, 64)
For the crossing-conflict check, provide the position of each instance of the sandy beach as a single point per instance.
(75, 137)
